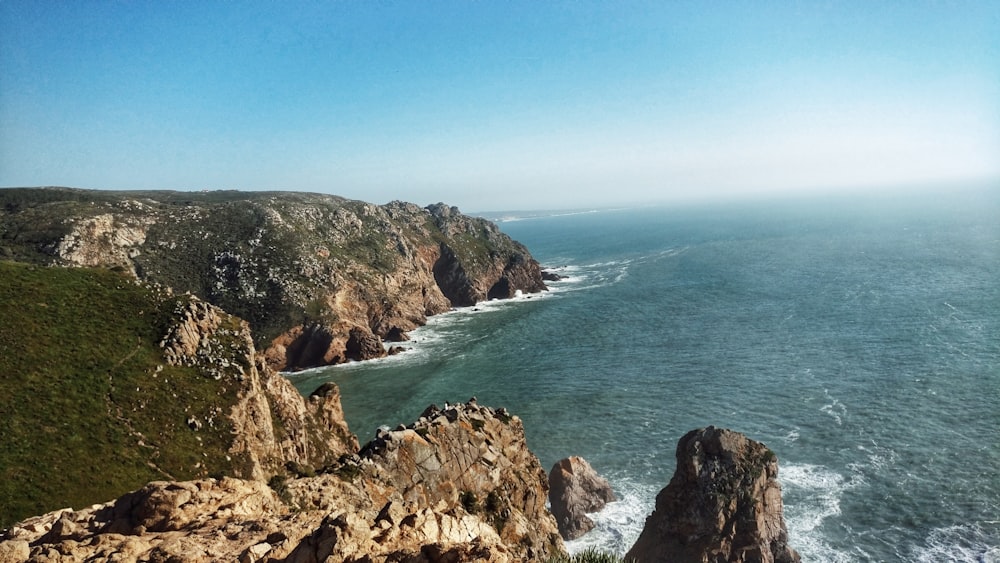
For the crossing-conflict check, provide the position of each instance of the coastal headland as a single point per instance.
(141, 346)
(320, 279)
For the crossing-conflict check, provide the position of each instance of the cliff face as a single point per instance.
(457, 485)
(105, 377)
(723, 504)
(320, 279)
(273, 425)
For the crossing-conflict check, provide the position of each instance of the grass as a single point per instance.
(587, 556)
(88, 410)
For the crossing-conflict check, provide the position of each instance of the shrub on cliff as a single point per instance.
(588, 556)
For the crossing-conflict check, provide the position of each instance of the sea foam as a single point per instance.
(619, 523)
(817, 491)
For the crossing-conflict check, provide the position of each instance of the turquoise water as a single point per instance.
(857, 337)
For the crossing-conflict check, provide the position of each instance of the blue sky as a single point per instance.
(500, 105)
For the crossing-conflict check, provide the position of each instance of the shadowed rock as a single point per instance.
(723, 504)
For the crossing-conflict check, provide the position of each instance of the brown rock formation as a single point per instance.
(723, 504)
(457, 485)
(575, 489)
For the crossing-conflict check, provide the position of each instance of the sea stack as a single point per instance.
(575, 489)
(723, 504)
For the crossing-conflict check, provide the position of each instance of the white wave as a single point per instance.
(817, 491)
(619, 524)
(834, 408)
(512, 216)
(879, 457)
(967, 542)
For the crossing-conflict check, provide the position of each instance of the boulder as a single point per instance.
(548, 275)
(575, 489)
(363, 345)
(723, 504)
(396, 334)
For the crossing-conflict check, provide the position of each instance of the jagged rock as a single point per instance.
(177, 392)
(459, 485)
(206, 520)
(105, 240)
(548, 275)
(396, 334)
(305, 347)
(363, 345)
(314, 433)
(575, 489)
(723, 504)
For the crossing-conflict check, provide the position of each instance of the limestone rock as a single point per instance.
(469, 460)
(575, 489)
(723, 504)
(105, 240)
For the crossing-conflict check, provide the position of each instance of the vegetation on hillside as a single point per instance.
(83, 381)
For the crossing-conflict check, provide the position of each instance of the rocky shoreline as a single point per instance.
(458, 484)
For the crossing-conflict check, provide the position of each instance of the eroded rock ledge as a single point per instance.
(457, 485)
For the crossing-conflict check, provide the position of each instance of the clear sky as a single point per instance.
(499, 105)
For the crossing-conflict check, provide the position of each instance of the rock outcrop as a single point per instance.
(313, 432)
(723, 504)
(321, 279)
(575, 490)
(457, 485)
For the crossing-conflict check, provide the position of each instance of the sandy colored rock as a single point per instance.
(458, 485)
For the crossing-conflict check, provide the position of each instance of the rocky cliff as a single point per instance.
(106, 384)
(723, 504)
(457, 485)
(320, 279)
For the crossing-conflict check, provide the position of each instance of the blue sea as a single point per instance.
(858, 336)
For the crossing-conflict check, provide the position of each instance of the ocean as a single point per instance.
(858, 336)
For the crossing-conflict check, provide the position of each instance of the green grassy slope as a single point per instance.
(88, 411)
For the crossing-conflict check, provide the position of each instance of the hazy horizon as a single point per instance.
(494, 107)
